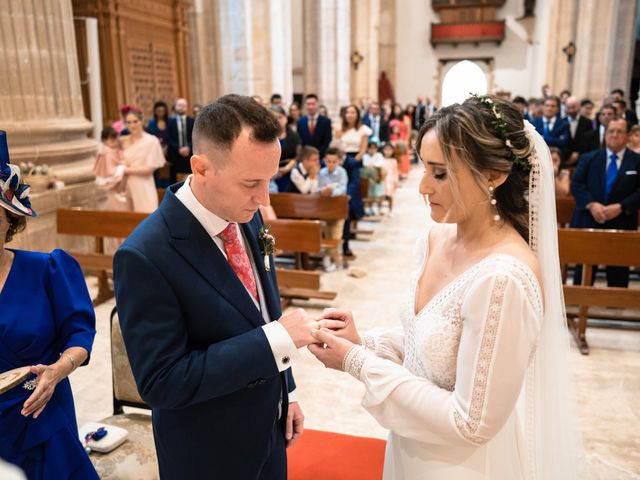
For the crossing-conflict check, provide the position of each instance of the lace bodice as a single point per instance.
(454, 371)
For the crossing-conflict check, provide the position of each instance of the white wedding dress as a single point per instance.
(476, 385)
(447, 383)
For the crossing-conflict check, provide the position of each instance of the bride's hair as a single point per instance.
(470, 130)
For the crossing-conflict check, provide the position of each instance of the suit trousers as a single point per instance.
(616, 276)
(275, 468)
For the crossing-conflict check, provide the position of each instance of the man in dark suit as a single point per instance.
(199, 307)
(314, 129)
(378, 125)
(606, 187)
(553, 128)
(419, 114)
(617, 95)
(595, 139)
(578, 127)
(180, 131)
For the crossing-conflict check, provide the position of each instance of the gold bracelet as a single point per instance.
(73, 362)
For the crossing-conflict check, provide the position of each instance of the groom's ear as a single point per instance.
(199, 165)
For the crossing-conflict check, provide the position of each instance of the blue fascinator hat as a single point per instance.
(14, 195)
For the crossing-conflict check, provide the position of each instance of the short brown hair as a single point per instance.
(17, 223)
(308, 151)
(220, 123)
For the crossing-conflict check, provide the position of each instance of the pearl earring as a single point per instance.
(494, 203)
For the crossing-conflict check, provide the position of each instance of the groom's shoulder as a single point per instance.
(152, 232)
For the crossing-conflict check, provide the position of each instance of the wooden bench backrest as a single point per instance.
(304, 236)
(565, 207)
(295, 205)
(599, 247)
(98, 223)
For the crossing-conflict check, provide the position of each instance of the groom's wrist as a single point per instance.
(282, 346)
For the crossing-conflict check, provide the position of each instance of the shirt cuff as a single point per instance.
(282, 346)
(293, 396)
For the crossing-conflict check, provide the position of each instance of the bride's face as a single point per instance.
(450, 202)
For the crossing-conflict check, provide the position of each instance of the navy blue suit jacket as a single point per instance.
(588, 185)
(180, 164)
(559, 136)
(198, 354)
(322, 134)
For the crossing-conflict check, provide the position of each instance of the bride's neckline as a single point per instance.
(447, 286)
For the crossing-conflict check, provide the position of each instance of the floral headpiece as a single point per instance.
(501, 126)
(14, 195)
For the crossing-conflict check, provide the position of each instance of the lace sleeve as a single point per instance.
(385, 343)
(500, 328)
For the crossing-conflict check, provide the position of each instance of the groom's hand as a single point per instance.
(341, 324)
(295, 424)
(298, 325)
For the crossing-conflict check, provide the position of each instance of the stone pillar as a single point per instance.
(241, 47)
(389, 13)
(41, 108)
(365, 25)
(561, 31)
(327, 27)
(605, 44)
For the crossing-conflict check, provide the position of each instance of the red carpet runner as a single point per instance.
(333, 456)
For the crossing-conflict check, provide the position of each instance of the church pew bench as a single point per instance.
(598, 247)
(99, 224)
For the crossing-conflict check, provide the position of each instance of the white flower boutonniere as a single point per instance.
(267, 245)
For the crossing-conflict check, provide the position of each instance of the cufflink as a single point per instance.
(285, 359)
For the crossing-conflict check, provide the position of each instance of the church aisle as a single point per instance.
(607, 381)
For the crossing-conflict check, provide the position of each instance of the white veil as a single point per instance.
(553, 447)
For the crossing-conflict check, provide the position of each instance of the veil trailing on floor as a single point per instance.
(547, 406)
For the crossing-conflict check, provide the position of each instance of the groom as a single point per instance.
(200, 313)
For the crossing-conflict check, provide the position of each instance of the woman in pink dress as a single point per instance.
(143, 155)
(400, 137)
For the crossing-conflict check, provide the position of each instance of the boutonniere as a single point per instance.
(267, 245)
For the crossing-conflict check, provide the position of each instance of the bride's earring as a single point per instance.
(494, 202)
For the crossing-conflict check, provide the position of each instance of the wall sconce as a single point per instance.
(356, 59)
(570, 51)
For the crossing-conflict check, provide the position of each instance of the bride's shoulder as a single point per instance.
(518, 261)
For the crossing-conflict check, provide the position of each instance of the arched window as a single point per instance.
(462, 79)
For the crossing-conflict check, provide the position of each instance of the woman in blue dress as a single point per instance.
(47, 322)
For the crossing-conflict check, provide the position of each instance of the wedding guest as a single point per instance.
(332, 182)
(289, 150)
(315, 129)
(294, 116)
(195, 110)
(304, 177)
(392, 177)
(353, 137)
(158, 124)
(119, 125)
(143, 156)
(561, 175)
(586, 110)
(48, 324)
(109, 170)
(634, 139)
(322, 110)
(180, 140)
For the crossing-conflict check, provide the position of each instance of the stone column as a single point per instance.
(41, 107)
(205, 41)
(327, 27)
(389, 14)
(365, 25)
(605, 44)
(562, 30)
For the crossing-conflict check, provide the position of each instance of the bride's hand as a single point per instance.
(334, 350)
(341, 324)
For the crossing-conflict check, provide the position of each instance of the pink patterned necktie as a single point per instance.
(238, 258)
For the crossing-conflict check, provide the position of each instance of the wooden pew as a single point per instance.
(98, 224)
(598, 247)
(302, 236)
(564, 210)
(310, 207)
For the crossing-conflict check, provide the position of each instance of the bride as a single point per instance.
(475, 383)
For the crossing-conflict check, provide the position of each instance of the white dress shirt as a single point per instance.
(282, 346)
(305, 185)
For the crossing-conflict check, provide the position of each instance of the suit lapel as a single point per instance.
(601, 165)
(271, 295)
(194, 244)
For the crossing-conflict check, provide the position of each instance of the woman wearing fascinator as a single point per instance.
(474, 382)
(47, 324)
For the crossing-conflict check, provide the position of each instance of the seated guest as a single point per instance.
(553, 128)
(617, 95)
(289, 150)
(561, 175)
(332, 182)
(579, 126)
(47, 323)
(595, 139)
(606, 186)
(304, 177)
(634, 139)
